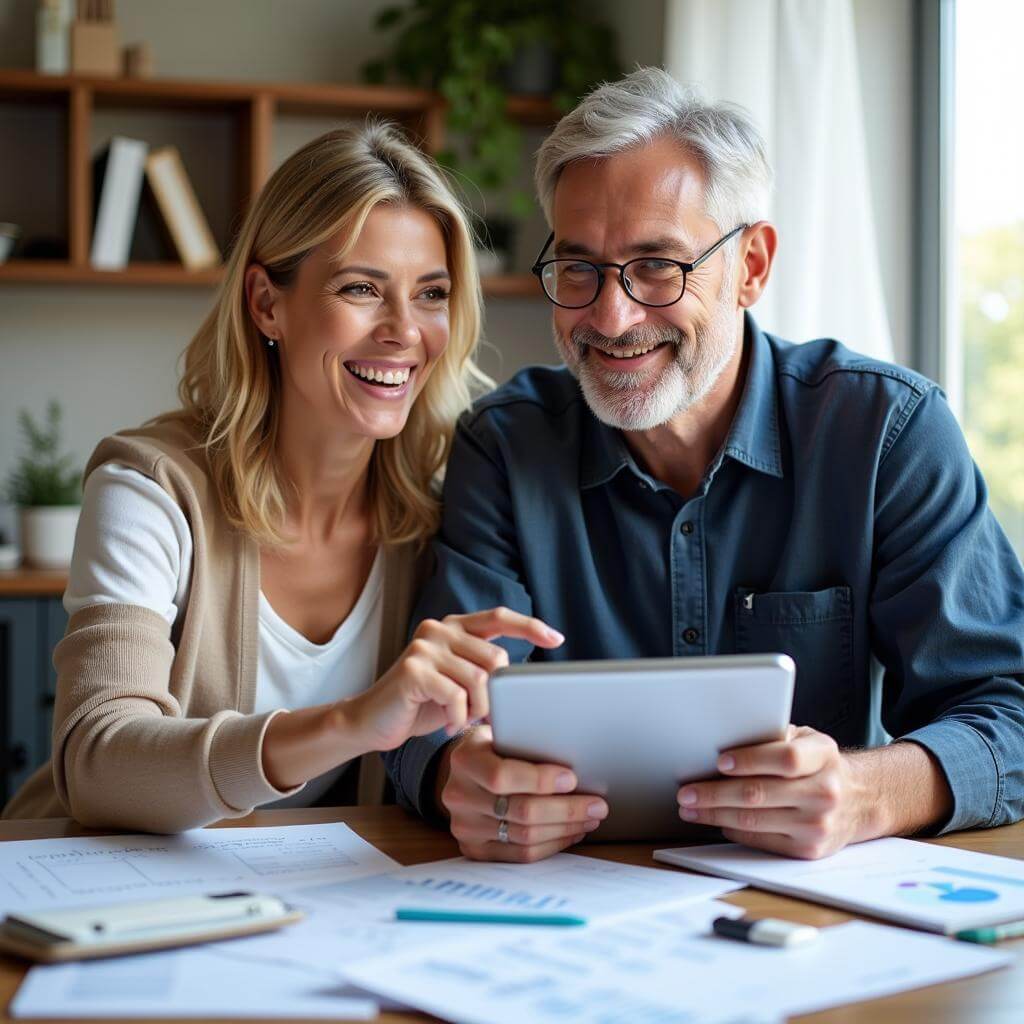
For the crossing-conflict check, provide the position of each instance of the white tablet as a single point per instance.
(634, 730)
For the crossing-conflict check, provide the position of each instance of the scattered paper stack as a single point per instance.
(646, 952)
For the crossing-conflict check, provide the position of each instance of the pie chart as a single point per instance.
(945, 892)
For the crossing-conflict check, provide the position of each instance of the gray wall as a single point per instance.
(109, 354)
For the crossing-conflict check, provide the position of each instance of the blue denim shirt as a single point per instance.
(843, 522)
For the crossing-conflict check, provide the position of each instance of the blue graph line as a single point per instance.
(981, 876)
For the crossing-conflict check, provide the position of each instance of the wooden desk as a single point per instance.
(990, 999)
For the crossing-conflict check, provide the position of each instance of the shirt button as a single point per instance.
(691, 636)
(687, 527)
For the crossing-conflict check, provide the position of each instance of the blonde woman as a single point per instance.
(244, 567)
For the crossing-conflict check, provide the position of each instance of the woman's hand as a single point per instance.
(441, 677)
(439, 680)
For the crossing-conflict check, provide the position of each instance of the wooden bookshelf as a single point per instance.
(503, 286)
(63, 272)
(512, 286)
(253, 108)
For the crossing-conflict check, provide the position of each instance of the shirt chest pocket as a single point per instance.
(815, 628)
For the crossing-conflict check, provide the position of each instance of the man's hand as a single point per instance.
(541, 813)
(800, 797)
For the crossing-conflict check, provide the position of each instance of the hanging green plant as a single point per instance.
(475, 53)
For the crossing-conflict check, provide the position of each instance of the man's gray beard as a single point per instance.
(621, 400)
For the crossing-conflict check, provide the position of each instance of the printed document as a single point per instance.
(666, 967)
(923, 885)
(204, 981)
(348, 889)
(352, 920)
(95, 870)
(186, 983)
(563, 884)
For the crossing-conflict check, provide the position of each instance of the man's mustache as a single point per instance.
(641, 336)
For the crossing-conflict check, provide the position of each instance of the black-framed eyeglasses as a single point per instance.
(650, 280)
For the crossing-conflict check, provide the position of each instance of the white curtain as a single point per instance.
(793, 65)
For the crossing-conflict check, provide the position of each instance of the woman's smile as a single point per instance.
(383, 380)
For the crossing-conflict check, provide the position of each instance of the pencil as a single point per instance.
(486, 917)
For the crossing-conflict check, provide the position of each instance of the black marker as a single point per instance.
(769, 931)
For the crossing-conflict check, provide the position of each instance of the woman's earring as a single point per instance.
(271, 342)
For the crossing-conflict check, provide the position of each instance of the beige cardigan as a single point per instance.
(155, 731)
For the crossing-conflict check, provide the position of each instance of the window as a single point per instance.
(985, 360)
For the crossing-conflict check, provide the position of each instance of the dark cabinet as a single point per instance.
(30, 628)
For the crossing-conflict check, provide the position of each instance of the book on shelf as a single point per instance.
(180, 209)
(117, 183)
(152, 242)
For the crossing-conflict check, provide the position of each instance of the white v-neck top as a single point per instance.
(134, 546)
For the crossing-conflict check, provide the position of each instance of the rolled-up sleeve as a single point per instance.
(947, 617)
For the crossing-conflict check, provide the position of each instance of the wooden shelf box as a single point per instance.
(226, 132)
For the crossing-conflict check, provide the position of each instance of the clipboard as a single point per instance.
(86, 933)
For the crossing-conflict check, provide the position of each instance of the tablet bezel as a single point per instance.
(652, 812)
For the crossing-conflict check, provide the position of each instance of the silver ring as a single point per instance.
(503, 831)
(500, 806)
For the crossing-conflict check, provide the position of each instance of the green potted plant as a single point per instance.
(474, 52)
(47, 490)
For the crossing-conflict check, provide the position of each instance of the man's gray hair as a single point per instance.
(650, 104)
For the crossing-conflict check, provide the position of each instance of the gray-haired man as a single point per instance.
(691, 485)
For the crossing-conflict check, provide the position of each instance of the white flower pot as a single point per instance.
(48, 535)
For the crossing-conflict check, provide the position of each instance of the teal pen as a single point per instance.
(1014, 930)
(486, 917)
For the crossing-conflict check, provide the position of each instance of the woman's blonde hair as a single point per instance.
(230, 383)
